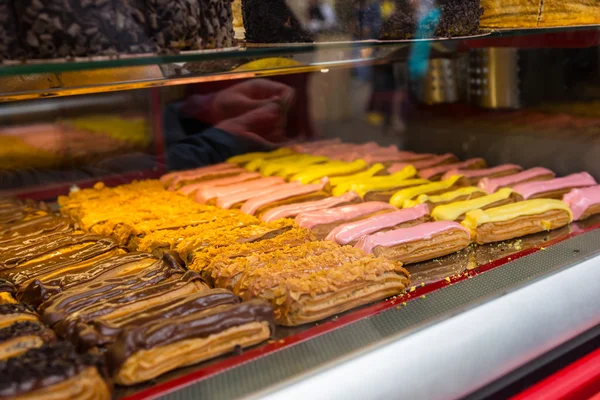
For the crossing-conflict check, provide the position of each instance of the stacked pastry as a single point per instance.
(145, 315)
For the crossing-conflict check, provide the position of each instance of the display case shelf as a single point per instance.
(55, 78)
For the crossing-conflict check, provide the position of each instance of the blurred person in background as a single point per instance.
(321, 17)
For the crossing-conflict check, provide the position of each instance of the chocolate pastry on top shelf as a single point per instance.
(190, 25)
(59, 28)
(8, 31)
(457, 18)
(132, 34)
(272, 22)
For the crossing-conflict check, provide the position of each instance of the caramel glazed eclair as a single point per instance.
(312, 281)
(53, 371)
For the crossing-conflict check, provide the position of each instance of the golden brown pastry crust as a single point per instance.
(474, 180)
(439, 245)
(471, 196)
(552, 194)
(520, 226)
(477, 165)
(87, 385)
(591, 210)
(310, 308)
(513, 198)
(148, 364)
(386, 195)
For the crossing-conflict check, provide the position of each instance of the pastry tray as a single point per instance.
(426, 277)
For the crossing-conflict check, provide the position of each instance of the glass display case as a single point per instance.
(298, 199)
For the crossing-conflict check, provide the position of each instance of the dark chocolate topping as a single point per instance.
(196, 325)
(13, 258)
(79, 297)
(101, 307)
(34, 227)
(6, 286)
(9, 217)
(37, 292)
(21, 275)
(26, 328)
(100, 332)
(40, 368)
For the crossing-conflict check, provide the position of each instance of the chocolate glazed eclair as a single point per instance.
(40, 290)
(144, 351)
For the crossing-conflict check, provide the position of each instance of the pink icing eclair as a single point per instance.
(436, 173)
(473, 176)
(417, 243)
(291, 210)
(204, 175)
(554, 188)
(396, 157)
(167, 178)
(236, 200)
(351, 232)
(193, 187)
(491, 185)
(207, 195)
(262, 203)
(583, 202)
(324, 221)
(425, 163)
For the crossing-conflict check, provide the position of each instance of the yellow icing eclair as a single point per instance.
(333, 168)
(516, 220)
(378, 183)
(291, 167)
(258, 163)
(372, 171)
(456, 211)
(432, 188)
(249, 157)
(464, 193)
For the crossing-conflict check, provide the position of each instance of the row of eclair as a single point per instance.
(78, 311)
(390, 208)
